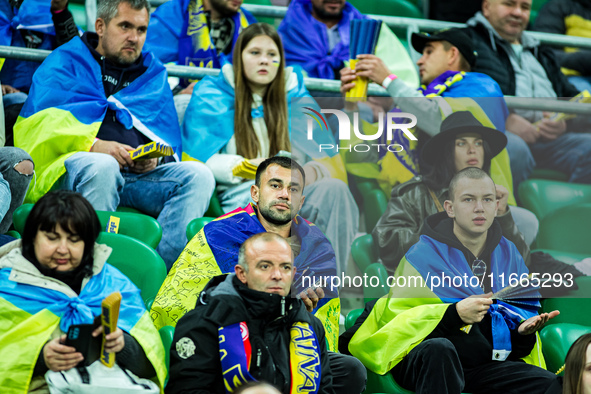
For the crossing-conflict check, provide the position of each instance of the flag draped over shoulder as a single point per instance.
(188, 43)
(457, 91)
(67, 105)
(214, 251)
(413, 308)
(35, 313)
(306, 44)
(209, 122)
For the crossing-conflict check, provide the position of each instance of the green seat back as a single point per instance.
(551, 175)
(352, 317)
(364, 252)
(542, 196)
(136, 225)
(136, 260)
(573, 305)
(373, 201)
(196, 225)
(388, 7)
(557, 339)
(167, 335)
(567, 229)
(215, 208)
(377, 281)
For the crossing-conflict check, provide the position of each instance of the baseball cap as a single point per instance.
(455, 37)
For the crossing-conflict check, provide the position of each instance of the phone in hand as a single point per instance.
(80, 337)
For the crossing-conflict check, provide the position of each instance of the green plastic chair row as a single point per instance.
(543, 196)
(567, 229)
(136, 225)
(136, 260)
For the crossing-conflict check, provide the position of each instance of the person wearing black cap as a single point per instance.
(451, 336)
(446, 54)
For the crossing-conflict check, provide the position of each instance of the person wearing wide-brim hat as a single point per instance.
(462, 142)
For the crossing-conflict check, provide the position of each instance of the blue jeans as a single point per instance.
(175, 193)
(569, 153)
(13, 184)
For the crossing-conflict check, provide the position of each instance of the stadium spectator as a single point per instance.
(524, 68)
(200, 33)
(57, 276)
(253, 110)
(573, 18)
(252, 306)
(28, 24)
(82, 120)
(444, 155)
(431, 344)
(278, 195)
(316, 37)
(215, 250)
(445, 70)
(577, 369)
(16, 172)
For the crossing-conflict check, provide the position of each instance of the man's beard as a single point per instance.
(220, 7)
(275, 217)
(328, 16)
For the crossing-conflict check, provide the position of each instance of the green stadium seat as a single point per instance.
(215, 208)
(557, 339)
(379, 287)
(373, 201)
(535, 8)
(364, 252)
(551, 175)
(167, 335)
(573, 305)
(388, 7)
(196, 225)
(566, 229)
(136, 260)
(13, 234)
(542, 196)
(136, 225)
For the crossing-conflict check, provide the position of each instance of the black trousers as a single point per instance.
(348, 374)
(434, 367)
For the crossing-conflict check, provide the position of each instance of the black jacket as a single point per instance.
(494, 61)
(269, 317)
(553, 18)
(474, 348)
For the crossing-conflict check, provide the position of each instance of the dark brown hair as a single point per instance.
(274, 101)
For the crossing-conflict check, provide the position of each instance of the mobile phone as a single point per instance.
(80, 337)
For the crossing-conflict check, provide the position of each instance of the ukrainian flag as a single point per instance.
(32, 314)
(67, 105)
(214, 251)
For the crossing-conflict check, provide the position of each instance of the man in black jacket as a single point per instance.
(523, 68)
(246, 327)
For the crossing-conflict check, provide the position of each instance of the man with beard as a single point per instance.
(95, 99)
(278, 197)
(316, 35)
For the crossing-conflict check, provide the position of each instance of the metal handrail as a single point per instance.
(315, 84)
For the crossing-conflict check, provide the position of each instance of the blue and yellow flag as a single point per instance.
(178, 32)
(31, 314)
(209, 122)
(414, 307)
(33, 15)
(214, 251)
(67, 105)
